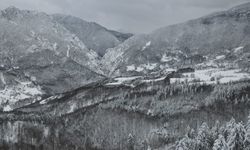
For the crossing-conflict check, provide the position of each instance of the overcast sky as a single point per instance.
(136, 16)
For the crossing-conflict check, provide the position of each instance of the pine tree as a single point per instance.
(204, 137)
(236, 137)
(247, 136)
(131, 142)
(190, 132)
(186, 144)
(220, 144)
(228, 128)
(232, 136)
(215, 131)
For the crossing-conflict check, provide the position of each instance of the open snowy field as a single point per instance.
(212, 76)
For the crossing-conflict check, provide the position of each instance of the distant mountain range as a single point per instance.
(70, 84)
(59, 53)
(185, 44)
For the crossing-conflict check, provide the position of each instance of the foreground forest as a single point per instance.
(152, 116)
(230, 136)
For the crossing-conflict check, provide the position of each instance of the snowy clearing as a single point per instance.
(24, 90)
(121, 80)
(221, 57)
(142, 67)
(166, 58)
(154, 80)
(211, 76)
(45, 101)
(131, 68)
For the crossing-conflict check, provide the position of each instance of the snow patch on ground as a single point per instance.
(154, 80)
(140, 68)
(211, 76)
(147, 45)
(12, 94)
(45, 101)
(150, 66)
(46, 132)
(7, 108)
(220, 57)
(131, 68)
(166, 58)
(55, 46)
(170, 70)
(2, 78)
(121, 80)
(21, 91)
(72, 108)
(238, 49)
(67, 53)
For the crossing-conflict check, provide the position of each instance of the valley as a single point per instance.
(69, 84)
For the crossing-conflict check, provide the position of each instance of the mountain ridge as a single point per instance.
(35, 48)
(94, 35)
(170, 81)
(207, 36)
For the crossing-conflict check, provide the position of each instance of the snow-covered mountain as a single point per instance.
(193, 42)
(54, 96)
(35, 49)
(95, 36)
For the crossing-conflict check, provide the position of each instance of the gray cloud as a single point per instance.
(137, 16)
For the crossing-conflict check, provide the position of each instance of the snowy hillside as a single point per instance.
(68, 84)
(186, 44)
(95, 36)
(36, 49)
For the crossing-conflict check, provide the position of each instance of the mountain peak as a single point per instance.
(11, 12)
(245, 6)
(11, 9)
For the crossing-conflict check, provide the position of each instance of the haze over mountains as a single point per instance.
(66, 83)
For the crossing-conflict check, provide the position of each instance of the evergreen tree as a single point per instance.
(232, 136)
(220, 144)
(190, 132)
(247, 136)
(204, 138)
(131, 142)
(215, 131)
(236, 137)
(186, 144)
(228, 128)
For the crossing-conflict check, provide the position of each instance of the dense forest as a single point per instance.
(230, 136)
